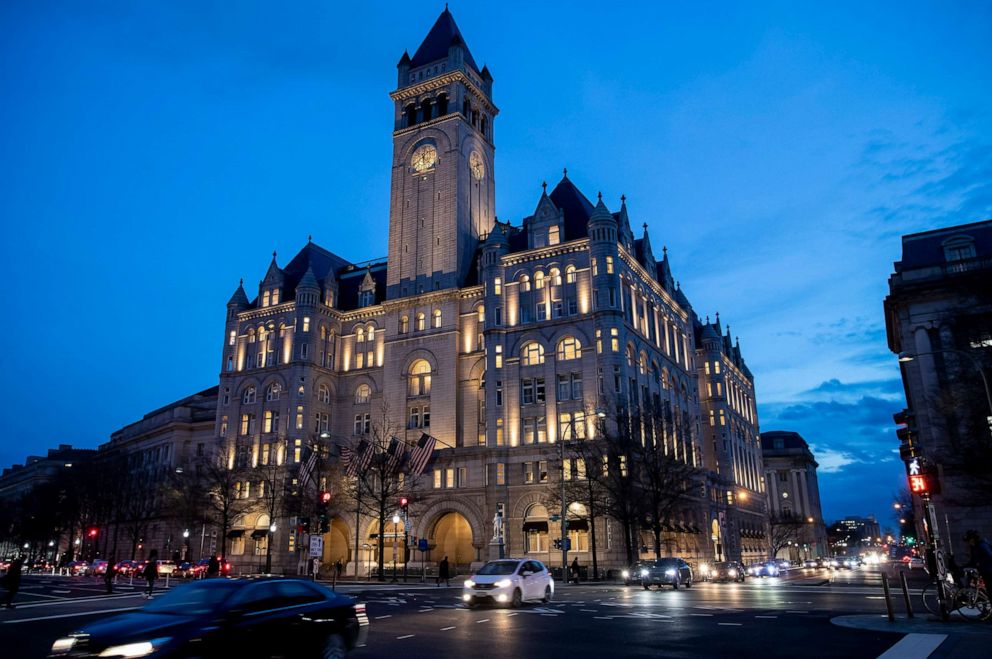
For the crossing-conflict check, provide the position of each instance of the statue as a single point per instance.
(498, 524)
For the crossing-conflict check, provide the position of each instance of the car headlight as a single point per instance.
(644, 573)
(140, 649)
(625, 574)
(704, 569)
(772, 571)
(503, 583)
(63, 645)
(469, 583)
(670, 573)
(732, 573)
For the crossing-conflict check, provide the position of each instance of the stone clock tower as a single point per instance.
(442, 196)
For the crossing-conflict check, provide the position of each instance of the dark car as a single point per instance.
(727, 571)
(766, 569)
(227, 618)
(631, 575)
(673, 572)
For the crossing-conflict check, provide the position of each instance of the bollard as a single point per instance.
(905, 594)
(167, 575)
(888, 600)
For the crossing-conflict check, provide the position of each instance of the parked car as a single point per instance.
(227, 617)
(200, 569)
(811, 564)
(166, 568)
(126, 568)
(97, 568)
(631, 575)
(915, 563)
(510, 581)
(766, 569)
(184, 569)
(674, 572)
(76, 567)
(726, 571)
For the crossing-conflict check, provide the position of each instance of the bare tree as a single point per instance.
(784, 530)
(225, 499)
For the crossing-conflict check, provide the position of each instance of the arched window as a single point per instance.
(262, 334)
(538, 280)
(363, 394)
(360, 335)
(404, 324)
(421, 322)
(555, 275)
(442, 105)
(524, 283)
(323, 333)
(436, 319)
(420, 378)
(248, 397)
(532, 354)
(481, 313)
(411, 115)
(630, 355)
(536, 529)
(251, 336)
(265, 299)
(324, 393)
(643, 363)
(484, 125)
(428, 109)
(273, 391)
(570, 274)
(466, 108)
(569, 348)
(370, 333)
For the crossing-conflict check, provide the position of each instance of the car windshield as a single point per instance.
(498, 567)
(192, 599)
(722, 566)
(667, 562)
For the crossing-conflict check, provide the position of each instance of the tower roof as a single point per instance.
(438, 40)
(576, 207)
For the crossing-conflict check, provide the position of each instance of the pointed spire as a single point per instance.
(544, 187)
(405, 60)
(645, 225)
(601, 213)
(239, 299)
(564, 172)
(309, 281)
(664, 251)
(442, 36)
(600, 195)
(309, 238)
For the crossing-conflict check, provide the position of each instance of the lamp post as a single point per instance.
(396, 522)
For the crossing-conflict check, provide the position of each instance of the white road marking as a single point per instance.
(383, 617)
(589, 610)
(481, 621)
(69, 615)
(914, 646)
(444, 629)
(797, 611)
(400, 638)
(767, 617)
(61, 592)
(425, 610)
(510, 615)
(603, 617)
(74, 600)
(702, 615)
(730, 624)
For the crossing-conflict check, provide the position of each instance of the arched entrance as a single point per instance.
(392, 545)
(336, 544)
(452, 537)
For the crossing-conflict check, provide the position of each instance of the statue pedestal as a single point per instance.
(496, 550)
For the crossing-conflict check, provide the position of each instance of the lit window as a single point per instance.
(436, 319)
(524, 283)
(421, 322)
(275, 296)
(595, 267)
(498, 286)
(532, 354)
(299, 417)
(614, 339)
(499, 432)
(569, 348)
(419, 379)
(570, 274)
(249, 396)
(306, 324)
(271, 421)
(609, 265)
(481, 314)
(297, 449)
(273, 391)
(223, 425)
(555, 276)
(265, 299)
(404, 324)
(716, 367)
(500, 473)
(538, 280)
(553, 235)
(232, 338)
(499, 356)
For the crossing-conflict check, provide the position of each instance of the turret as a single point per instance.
(403, 70)
(238, 302)
(308, 290)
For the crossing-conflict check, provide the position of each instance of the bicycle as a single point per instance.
(970, 600)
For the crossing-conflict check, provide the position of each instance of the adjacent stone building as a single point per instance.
(938, 319)
(794, 495)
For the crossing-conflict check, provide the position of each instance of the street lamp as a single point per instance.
(396, 522)
(897, 506)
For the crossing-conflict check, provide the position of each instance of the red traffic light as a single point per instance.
(918, 484)
(404, 502)
(325, 497)
(92, 532)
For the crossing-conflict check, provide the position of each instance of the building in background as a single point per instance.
(853, 535)
(796, 523)
(938, 318)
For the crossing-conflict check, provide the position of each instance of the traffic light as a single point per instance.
(305, 524)
(404, 504)
(557, 543)
(325, 497)
(907, 434)
(918, 484)
(92, 532)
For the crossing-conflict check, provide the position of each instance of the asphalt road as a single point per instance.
(776, 617)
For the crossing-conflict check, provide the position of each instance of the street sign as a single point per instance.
(316, 545)
(422, 544)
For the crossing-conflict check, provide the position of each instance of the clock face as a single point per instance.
(424, 157)
(476, 165)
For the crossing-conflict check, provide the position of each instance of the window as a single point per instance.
(322, 423)
(419, 379)
(248, 397)
(553, 234)
(524, 283)
(535, 430)
(363, 424)
(959, 248)
(437, 479)
(297, 449)
(421, 322)
(436, 319)
(723, 418)
(500, 473)
(271, 421)
(555, 276)
(498, 316)
(499, 393)
(572, 425)
(595, 267)
(366, 298)
(414, 418)
(303, 351)
(498, 286)
(363, 393)
(223, 425)
(232, 338)
(609, 265)
(542, 311)
(275, 296)
(227, 396)
(532, 391)
(569, 348)
(499, 356)
(299, 417)
(630, 355)
(449, 478)
(247, 424)
(614, 339)
(499, 432)
(538, 280)
(599, 341)
(570, 274)
(306, 324)
(273, 391)
(404, 324)
(480, 312)
(570, 386)
(532, 354)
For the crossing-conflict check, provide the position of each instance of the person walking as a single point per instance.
(574, 570)
(443, 572)
(108, 576)
(150, 573)
(981, 555)
(338, 568)
(213, 567)
(11, 581)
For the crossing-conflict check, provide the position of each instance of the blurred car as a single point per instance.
(915, 563)
(784, 564)
(674, 572)
(766, 569)
(811, 564)
(97, 567)
(166, 568)
(200, 569)
(227, 617)
(126, 568)
(631, 575)
(726, 571)
(76, 567)
(184, 569)
(509, 581)
(850, 562)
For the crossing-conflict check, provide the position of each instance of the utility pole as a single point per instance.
(564, 512)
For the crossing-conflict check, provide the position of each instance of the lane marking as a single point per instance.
(481, 621)
(914, 646)
(76, 600)
(61, 592)
(702, 615)
(383, 617)
(424, 610)
(69, 615)
(730, 624)
(589, 610)
(400, 638)
(603, 617)
(767, 617)
(797, 611)
(444, 629)
(510, 615)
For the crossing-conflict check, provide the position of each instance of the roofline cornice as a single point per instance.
(433, 84)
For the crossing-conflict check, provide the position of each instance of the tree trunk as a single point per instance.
(656, 533)
(380, 568)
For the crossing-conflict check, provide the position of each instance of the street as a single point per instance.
(774, 617)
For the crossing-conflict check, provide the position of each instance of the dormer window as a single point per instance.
(275, 296)
(553, 235)
(265, 299)
(959, 248)
(366, 298)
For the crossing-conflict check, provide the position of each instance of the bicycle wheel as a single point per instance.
(929, 595)
(974, 604)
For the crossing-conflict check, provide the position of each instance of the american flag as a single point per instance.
(306, 469)
(355, 457)
(397, 450)
(421, 454)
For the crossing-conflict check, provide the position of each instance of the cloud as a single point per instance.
(832, 461)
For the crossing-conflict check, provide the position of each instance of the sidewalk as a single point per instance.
(961, 638)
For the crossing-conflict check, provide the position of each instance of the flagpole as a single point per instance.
(358, 525)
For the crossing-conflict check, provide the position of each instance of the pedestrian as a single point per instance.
(108, 576)
(981, 555)
(11, 581)
(213, 567)
(443, 572)
(575, 569)
(338, 569)
(150, 573)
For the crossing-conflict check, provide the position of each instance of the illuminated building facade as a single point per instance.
(499, 340)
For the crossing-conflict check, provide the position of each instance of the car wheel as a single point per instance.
(518, 599)
(547, 594)
(675, 584)
(688, 584)
(334, 647)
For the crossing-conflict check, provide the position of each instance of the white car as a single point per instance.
(509, 581)
(915, 563)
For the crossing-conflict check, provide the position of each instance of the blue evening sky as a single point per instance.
(154, 153)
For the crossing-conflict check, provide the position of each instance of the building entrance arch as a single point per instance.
(451, 536)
